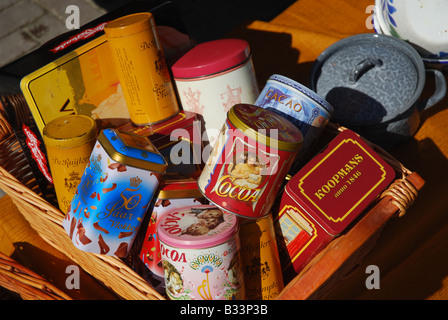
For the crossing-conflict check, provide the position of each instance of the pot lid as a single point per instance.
(368, 78)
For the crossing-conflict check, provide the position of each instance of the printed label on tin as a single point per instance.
(346, 177)
(295, 106)
(109, 205)
(206, 274)
(200, 254)
(150, 252)
(240, 175)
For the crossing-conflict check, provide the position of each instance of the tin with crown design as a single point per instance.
(114, 193)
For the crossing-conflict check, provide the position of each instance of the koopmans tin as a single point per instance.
(326, 196)
(249, 161)
(300, 105)
(172, 194)
(114, 193)
(200, 254)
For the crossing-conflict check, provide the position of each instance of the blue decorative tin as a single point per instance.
(298, 104)
(114, 193)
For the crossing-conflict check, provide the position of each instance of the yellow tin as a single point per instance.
(69, 141)
(262, 269)
(141, 68)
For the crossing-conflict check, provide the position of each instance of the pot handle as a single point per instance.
(439, 93)
(362, 67)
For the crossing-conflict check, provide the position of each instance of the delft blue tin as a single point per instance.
(114, 193)
(298, 104)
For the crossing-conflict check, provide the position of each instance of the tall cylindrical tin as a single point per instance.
(69, 141)
(200, 254)
(249, 161)
(300, 105)
(114, 194)
(214, 76)
(141, 67)
(261, 262)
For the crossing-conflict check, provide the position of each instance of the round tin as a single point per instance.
(247, 166)
(300, 105)
(262, 269)
(140, 63)
(68, 140)
(172, 195)
(114, 194)
(200, 254)
(214, 76)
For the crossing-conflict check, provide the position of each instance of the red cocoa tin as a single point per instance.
(172, 195)
(326, 196)
(251, 157)
(200, 249)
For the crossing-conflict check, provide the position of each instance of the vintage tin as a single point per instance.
(212, 77)
(300, 105)
(172, 194)
(261, 263)
(249, 161)
(326, 196)
(178, 139)
(114, 194)
(141, 67)
(200, 254)
(69, 141)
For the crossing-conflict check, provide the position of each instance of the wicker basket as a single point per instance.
(320, 275)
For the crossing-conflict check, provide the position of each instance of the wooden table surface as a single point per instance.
(411, 253)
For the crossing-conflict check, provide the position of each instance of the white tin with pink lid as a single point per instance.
(200, 249)
(213, 77)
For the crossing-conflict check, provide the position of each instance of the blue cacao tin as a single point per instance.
(298, 104)
(114, 193)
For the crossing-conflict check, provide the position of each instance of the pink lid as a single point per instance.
(197, 227)
(211, 57)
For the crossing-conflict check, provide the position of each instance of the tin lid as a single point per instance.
(132, 149)
(339, 183)
(264, 125)
(368, 78)
(211, 57)
(197, 227)
(69, 131)
(179, 189)
(129, 24)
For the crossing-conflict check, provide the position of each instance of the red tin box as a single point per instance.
(323, 199)
(178, 139)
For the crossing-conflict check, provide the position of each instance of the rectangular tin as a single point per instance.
(178, 139)
(114, 193)
(327, 195)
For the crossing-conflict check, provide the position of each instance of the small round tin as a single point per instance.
(200, 254)
(214, 76)
(300, 105)
(69, 141)
(247, 166)
(114, 193)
